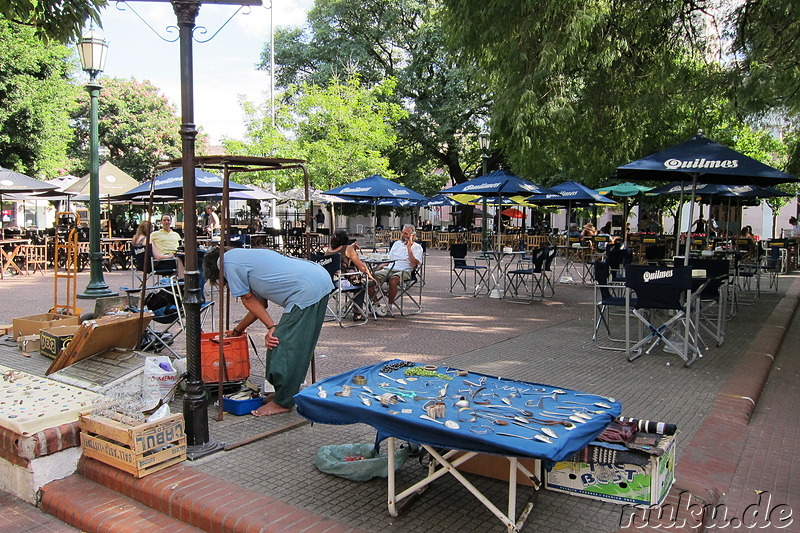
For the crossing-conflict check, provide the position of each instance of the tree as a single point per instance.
(341, 129)
(404, 39)
(35, 101)
(59, 20)
(137, 125)
(581, 87)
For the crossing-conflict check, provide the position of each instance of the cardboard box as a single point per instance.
(30, 325)
(639, 478)
(28, 343)
(497, 467)
(139, 449)
(55, 338)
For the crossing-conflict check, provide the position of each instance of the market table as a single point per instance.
(465, 412)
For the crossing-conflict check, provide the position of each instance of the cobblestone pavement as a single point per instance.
(547, 342)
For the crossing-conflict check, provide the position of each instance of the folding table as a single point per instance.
(494, 415)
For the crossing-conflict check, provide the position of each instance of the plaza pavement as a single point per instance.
(721, 459)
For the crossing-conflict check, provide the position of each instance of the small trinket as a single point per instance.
(322, 392)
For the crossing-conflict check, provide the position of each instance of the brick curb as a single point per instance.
(704, 474)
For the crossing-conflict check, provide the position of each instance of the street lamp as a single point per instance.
(92, 49)
(484, 142)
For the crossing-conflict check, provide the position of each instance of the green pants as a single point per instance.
(287, 364)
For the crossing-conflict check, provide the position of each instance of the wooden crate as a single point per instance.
(137, 449)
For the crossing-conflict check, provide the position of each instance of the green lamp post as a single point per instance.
(484, 143)
(92, 49)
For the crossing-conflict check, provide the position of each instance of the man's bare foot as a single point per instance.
(270, 408)
(268, 397)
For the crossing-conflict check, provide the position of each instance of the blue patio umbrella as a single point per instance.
(15, 182)
(440, 200)
(496, 183)
(170, 185)
(375, 188)
(701, 160)
(571, 194)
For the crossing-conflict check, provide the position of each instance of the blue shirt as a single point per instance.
(283, 280)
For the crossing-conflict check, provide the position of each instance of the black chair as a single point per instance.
(528, 267)
(607, 297)
(772, 264)
(660, 308)
(713, 298)
(618, 258)
(460, 266)
(349, 291)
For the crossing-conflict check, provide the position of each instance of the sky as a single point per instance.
(224, 67)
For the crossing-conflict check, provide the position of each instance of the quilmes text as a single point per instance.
(657, 274)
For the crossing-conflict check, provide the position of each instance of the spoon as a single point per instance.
(450, 424)
(400, 381)
(541, 438)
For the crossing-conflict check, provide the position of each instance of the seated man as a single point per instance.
(407, 255)
(166, 242)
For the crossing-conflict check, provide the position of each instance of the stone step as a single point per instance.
(187, 497)
(93, 508)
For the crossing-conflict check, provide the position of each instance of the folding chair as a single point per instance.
(156, 268)
(528, 267)
(165, 301)
(460, 266)
(409, 293)
(618, 258)
(713, 298)
(773, 264)
(607, 296)
(547, 272)
(349, 294)
(660, 308)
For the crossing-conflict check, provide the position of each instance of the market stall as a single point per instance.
(439, 407)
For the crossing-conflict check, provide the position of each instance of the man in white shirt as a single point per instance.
(407, 255)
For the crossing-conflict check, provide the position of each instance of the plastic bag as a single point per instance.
(357, 462)
(157, 379)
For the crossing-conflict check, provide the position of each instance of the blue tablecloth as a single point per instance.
(523, 397)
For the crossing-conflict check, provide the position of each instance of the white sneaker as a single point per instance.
(382, 310)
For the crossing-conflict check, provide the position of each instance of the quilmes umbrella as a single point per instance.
(497, 183)
(701, 160)
(14, 182)
(441, 200)
(570, 194)
(170, 185)
(375, 188)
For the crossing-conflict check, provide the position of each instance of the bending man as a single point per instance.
(260, 276)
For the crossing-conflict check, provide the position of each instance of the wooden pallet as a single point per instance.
(139, 449)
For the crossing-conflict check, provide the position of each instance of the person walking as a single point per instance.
(260, 276)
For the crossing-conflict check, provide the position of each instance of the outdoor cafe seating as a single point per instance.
(349, 294)
(461, 267)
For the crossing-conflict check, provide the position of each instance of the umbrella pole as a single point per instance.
(691, 215)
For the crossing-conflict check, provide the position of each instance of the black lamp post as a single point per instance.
(92, 49)
(484, 142)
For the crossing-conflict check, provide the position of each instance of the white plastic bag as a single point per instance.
(158, 378)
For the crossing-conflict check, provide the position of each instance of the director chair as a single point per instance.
(349, 294)
(608, 296)
(528, 268)
(409, 292)
(460, 266)
(660, 309)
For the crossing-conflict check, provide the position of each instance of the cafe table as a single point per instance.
(376, 261)
(497, 269)
(468, 413)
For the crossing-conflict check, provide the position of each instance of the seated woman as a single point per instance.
(166, 242)
(587, 234)
(140, 237)
(351, 262)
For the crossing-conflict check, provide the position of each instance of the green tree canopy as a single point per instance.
(404, 39)
(137, 125)
(342, 129)
(36, 97)
(60, 20)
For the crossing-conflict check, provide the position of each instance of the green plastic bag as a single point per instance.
(357, 462)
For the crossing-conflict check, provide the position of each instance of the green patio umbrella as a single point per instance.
(624, 190)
